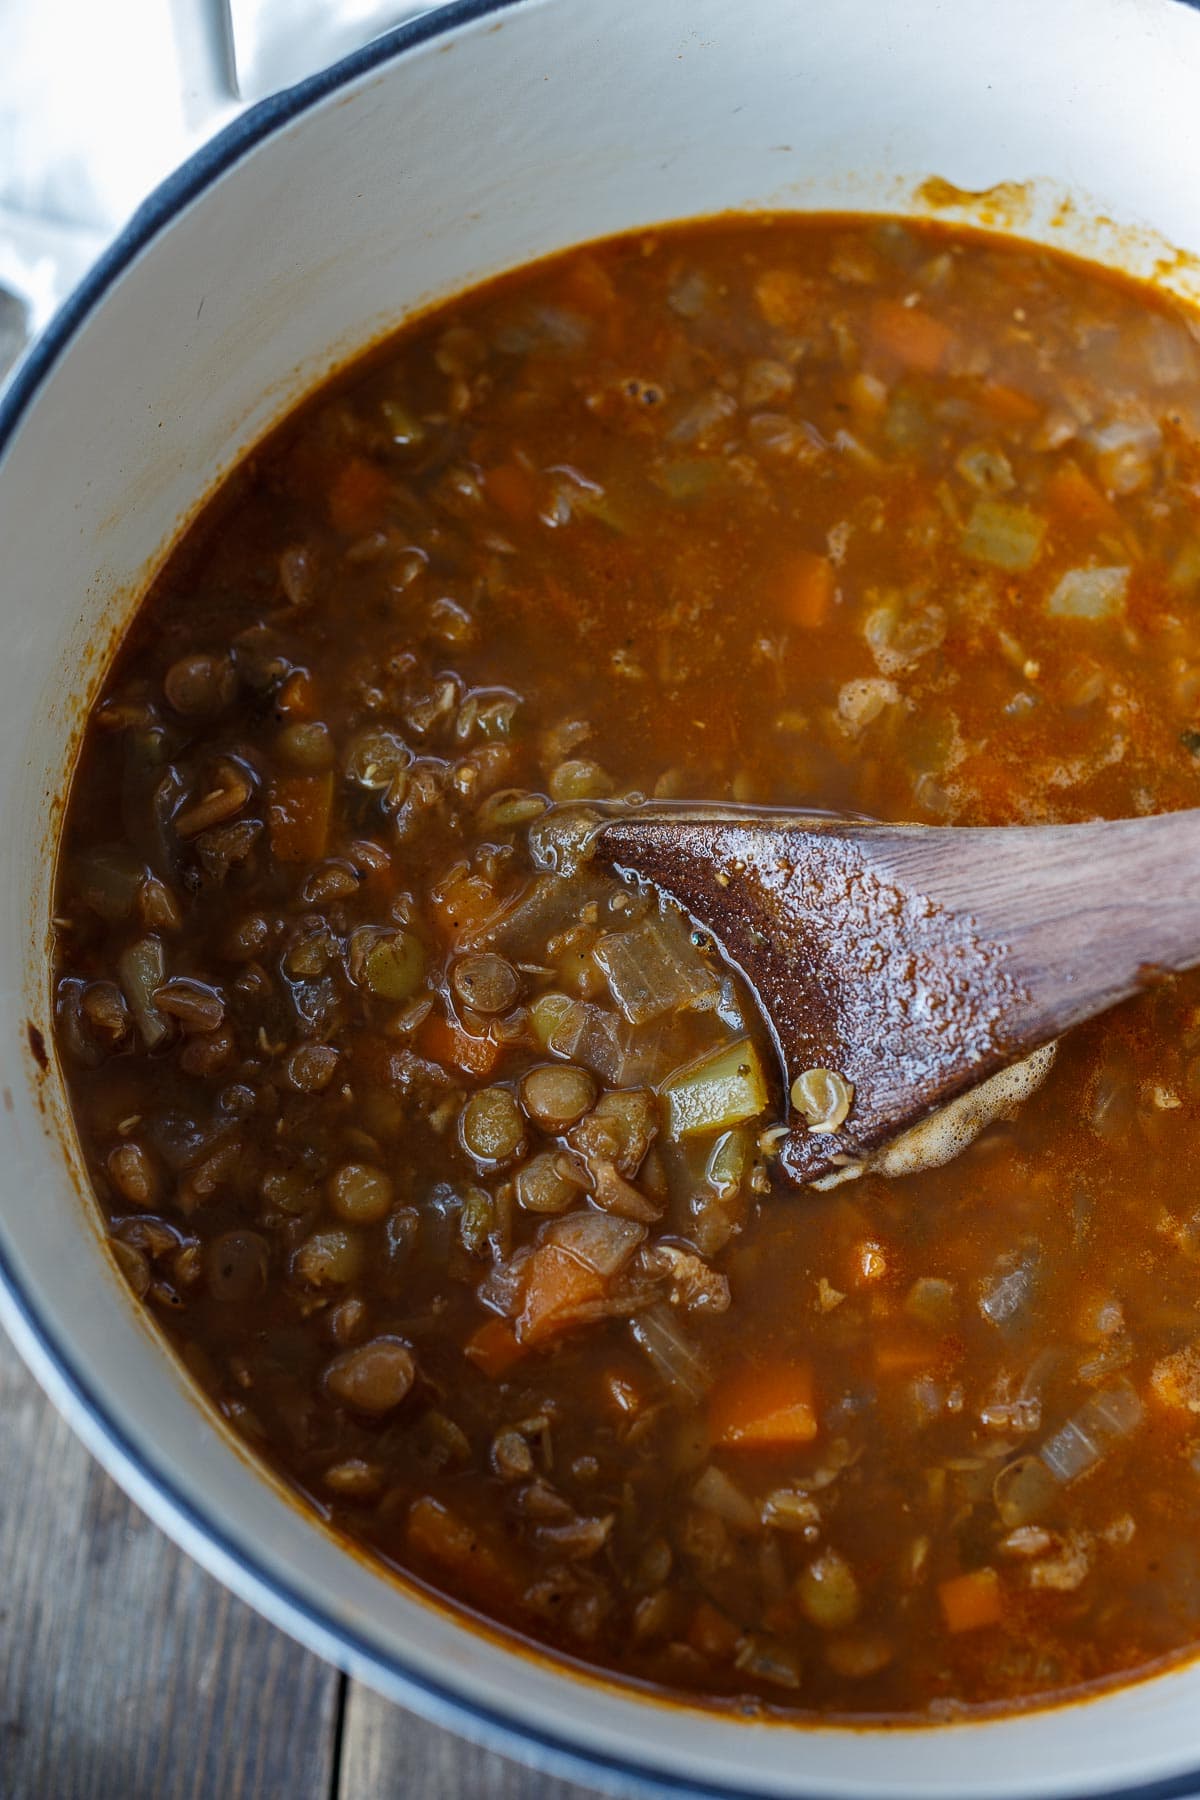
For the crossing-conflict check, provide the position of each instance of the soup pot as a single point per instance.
(466, 143)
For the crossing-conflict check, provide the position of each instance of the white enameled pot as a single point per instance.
(467, 143)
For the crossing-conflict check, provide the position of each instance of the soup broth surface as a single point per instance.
(451, 1177)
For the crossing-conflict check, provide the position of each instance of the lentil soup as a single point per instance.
(444, 1159)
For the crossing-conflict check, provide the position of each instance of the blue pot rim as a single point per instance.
(441, 1704)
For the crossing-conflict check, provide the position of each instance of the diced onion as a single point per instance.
(601, 1241)
(718, 1494)
(1091, 1433)
(1089, 594)
(658, 1333)
(648, 976)
(141, 970)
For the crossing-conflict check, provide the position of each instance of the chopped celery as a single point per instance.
(723, 1089)
(1007, 537)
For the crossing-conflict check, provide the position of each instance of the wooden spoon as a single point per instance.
(917, 960)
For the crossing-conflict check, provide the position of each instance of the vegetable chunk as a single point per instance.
(721, 1090)
(764, 1409)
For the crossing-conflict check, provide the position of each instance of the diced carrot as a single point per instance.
(510, 487)
(764, 1409)
(444, 1041)
(808, 590)
(298, 817)
(435, 1532)
(1008, 404)
(297, 698)
(463, 905)
(904, 1356)
(1076, 496)
(970, 1602)
(910, 335)
(357, 496)
(557, 1289)
(712, 1633)
(493, 1347)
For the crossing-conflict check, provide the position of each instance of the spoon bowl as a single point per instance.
(916, 961)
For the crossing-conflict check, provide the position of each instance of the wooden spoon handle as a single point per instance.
(1087, 913)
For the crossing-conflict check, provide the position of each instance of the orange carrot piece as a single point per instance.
(808, 591)
(463, 905)
(444, 1041)
(1008, 404)
(357, 496)
(1076, 496)
(510, 487)
(298, 817)
(433, 1531)
(556, 1288)
(493, 1347)
(910, 335)
(764, 1408)
(972, 1601)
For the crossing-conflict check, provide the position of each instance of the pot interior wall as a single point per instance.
(498, 139)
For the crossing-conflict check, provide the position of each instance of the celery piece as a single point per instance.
(723, 1089)
(1007, 537)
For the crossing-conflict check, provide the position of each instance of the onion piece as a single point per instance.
(601, 1241)
(587, 1034)
(1010, 1289)
(647, 975)
(141, 970)
(108, 878)
(723, 1089)
(1125, 453)
(671, 1350)
(1089, 594)
(1088, 1436)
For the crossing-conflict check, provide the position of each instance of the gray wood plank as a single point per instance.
(387, 1754)
(125, 1672)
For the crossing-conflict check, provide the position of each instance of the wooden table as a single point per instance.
(128, 1674)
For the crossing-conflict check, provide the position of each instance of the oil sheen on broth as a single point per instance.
(451, 1179)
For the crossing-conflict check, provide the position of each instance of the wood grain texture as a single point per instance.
(919, 960)
(125, 1672)
(387, 1754)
